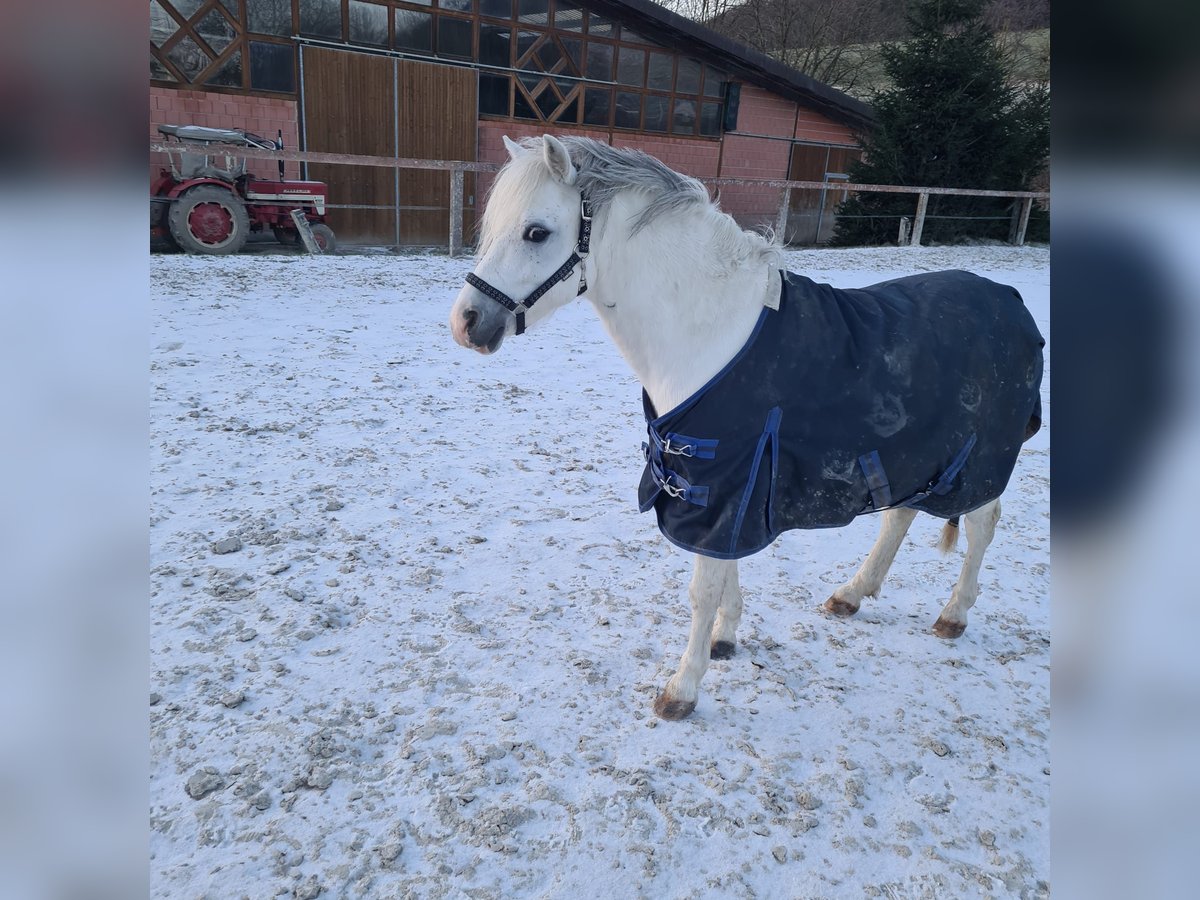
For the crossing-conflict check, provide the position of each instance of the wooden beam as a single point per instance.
(1023, 221)
(345, 159)
(456, 212)
(919, 221)
(388, 162)
(781, 220)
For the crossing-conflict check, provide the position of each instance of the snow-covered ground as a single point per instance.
(407, 625)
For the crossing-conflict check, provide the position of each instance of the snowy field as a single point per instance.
(407, 625)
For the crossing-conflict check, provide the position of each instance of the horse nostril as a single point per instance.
(470, 317)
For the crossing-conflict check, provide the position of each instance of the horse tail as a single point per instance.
(949, 539)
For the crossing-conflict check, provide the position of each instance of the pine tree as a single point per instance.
(952, 118)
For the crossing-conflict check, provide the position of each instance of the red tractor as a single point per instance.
(200, 206)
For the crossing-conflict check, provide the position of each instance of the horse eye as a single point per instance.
(536, 234)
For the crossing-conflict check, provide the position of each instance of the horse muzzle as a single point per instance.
(477, 323)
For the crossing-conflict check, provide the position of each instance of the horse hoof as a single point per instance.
(721, 650)
(839, 607)
(944, 628)
(672, 710)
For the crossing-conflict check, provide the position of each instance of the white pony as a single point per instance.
(679, 288)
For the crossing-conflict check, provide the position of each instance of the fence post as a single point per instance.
(456, 211)
(919, 221)
(781, 220)
(1021, 222)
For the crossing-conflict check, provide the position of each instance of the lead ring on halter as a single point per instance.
(582, 248)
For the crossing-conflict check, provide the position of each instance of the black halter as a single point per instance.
(582, 248)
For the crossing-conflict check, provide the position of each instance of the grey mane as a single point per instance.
(605, 171)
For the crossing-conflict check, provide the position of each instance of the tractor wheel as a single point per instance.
(324, 236)
(161, 242)
(209, 220)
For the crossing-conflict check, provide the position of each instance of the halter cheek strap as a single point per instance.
(519, 308)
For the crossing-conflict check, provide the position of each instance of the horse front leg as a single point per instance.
(980, 526)
(869, 579)
(709, 580)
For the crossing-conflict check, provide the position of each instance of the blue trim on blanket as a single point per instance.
(770, 433)
(695, 398)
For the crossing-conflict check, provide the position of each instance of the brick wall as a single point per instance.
(747, 155)
(812, 126)
(761, 148)
(261, 115)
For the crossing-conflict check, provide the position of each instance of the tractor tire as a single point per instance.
(162, 242)
(209, 220)
(324, 236)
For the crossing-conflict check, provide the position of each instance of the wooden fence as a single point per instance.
(456, 168)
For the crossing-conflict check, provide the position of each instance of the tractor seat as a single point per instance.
(201, 133)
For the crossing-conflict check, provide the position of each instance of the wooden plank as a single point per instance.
(1023, 223)
(307, 239)
(781, 220)
(387, 162)
(919, 221)
(346, 159)
(349, 100)
(436, 106)
(456, 212)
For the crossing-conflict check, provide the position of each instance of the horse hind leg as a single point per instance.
(980, 526)
(869, 578)
(729, 614)
(709, 578)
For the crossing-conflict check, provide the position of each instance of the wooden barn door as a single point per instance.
(379, 106)
(812, 214)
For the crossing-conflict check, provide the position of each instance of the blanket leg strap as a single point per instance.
(877, 483)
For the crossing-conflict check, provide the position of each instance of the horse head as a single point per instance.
(533, 241)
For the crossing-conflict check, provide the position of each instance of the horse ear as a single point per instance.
(558, 159)
(513, 148)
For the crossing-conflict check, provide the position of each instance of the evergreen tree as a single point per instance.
(951, 119)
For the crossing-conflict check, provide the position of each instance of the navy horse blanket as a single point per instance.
(915, 392)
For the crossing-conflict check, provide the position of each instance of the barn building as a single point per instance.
(445, 79)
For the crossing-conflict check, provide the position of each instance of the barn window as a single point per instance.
(454, 37)
(656, 112)
(495, 46)
(496, 9)
(414, 30)
(631, 66)
(571, 57)
(269, 16)
(596, 106)
(272, 67)
(368, 23)
(493, 94)
(321, 18)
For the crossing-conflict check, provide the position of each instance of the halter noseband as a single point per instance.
(582, 248)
